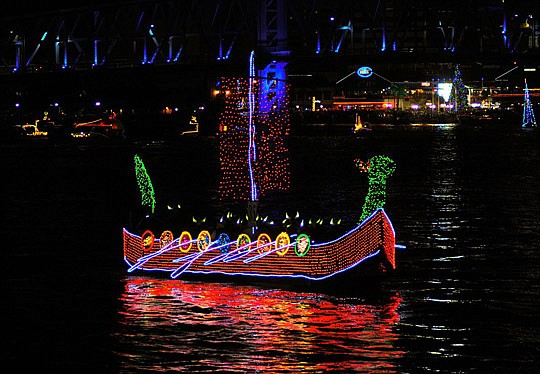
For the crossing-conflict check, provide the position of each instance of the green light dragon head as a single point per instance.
(377, 167)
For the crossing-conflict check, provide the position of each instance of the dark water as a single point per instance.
(464, 201)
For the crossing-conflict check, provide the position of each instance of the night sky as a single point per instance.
(19, 8)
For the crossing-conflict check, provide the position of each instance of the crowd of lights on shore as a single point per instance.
(148, 198)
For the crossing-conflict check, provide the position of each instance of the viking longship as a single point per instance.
(287, 256)
(254, 252)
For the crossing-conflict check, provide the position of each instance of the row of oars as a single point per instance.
(172, 245)
(188, 260)
(234, 255)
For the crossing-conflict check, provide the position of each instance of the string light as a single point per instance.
(528, 113)
(302, 245)
(203, 240)
(459, 91)
(147, 240)
(148, 197)
(248, 171)
(282, 241)
(185, 241)
(267, 165)
(379, 168)
(310, 261)
(252, 149)
(165, 238)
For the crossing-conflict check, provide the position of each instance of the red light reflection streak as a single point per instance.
(296, 323)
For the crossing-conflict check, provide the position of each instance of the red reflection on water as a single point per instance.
(308, 331)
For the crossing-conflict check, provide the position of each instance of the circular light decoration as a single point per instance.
(222, 241)
(283, 240)
(263, 243)
(185, 241)
(203, 240)
(243, 241)
(364, 72)
(302, 245)
(147, 240)
(166, 238)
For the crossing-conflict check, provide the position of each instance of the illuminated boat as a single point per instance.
(108, 127)
(288, 251)
(33, 130)
(252, 252)
(293, 256)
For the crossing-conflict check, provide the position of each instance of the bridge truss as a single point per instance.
(161, 32)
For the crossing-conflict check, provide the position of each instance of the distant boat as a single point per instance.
(528, 113)
(286, 257)
(193, 126)
(104, 127)
(33, 130)
(358, 125)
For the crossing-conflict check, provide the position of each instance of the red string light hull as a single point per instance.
(373, 239)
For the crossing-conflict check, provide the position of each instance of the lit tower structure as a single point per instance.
(528, 113)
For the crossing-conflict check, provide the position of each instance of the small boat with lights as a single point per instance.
(108, 126)
(365, 249)
(285, 256)
(252, 149)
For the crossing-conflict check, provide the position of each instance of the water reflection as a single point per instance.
(446, 195)
(175, 325)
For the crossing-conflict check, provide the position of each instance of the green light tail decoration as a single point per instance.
(379, 169)
(148, 197)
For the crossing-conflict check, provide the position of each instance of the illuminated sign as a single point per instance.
(364, 72)
(444, 90)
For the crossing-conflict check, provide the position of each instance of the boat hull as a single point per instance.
(367, 248)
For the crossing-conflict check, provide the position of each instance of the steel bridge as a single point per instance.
(194, 32)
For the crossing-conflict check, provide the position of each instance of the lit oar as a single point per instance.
(186, 257)
(224, 256)
(240, 255)
(164, 249)
(261, 255)
(141, 261)
(179, 270)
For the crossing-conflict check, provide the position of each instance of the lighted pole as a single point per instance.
(252, 156)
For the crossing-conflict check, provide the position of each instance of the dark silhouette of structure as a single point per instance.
(123, 49)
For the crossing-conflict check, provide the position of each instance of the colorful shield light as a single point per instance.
(283, 240)
(302, 245)
(185, 241)
(166, 238)
(147, 240)
(263, 243)
(243, 241)
(203, 240)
